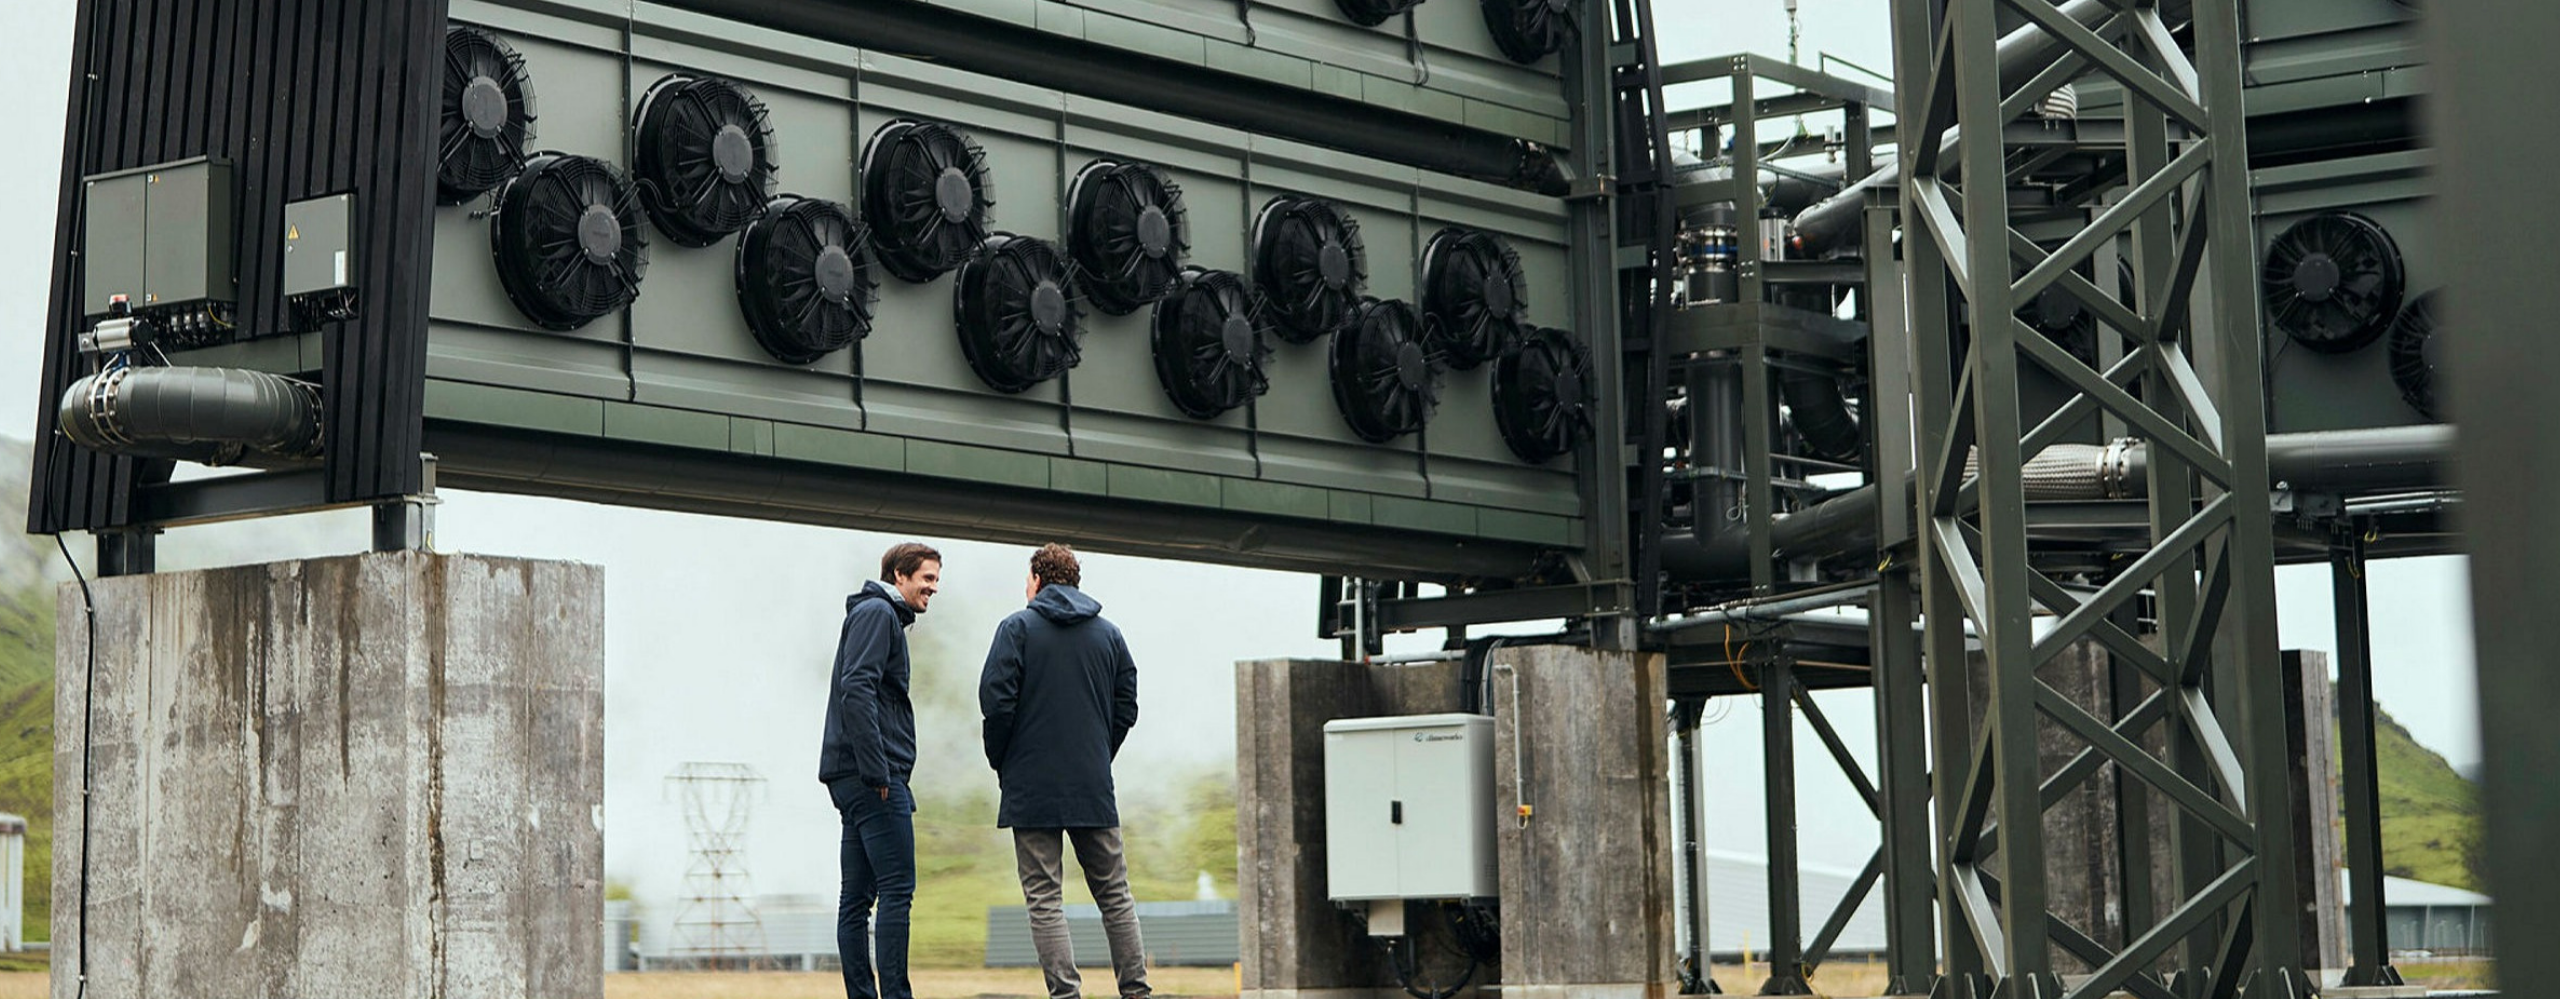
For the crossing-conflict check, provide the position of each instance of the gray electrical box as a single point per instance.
(161, 236)
(318, 256)
(1409, 807)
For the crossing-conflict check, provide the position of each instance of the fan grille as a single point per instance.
(806, 281)
(924, 191)
(1386, 380)
(1310, 265)
(1473, 296)
(706, 158)
(1374, 12)
(1543, 394)
(485, 120)
(1014, 304)
(568, 242)
(1528, 30)
(2415, 350)
(1209, 341)
(2333, 282)
(1130, 234)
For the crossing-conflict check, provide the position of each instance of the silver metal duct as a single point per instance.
(211, 415)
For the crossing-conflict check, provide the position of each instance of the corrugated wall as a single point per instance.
(303, 97)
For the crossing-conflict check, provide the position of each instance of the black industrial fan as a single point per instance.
(1374, 12)
(2063, 319)
(1308, 262)
(1209, 344)
(1015, 305)
(1542, 394)
(1472, 294)
(805, 279)
(1385, 379)
(2332, 282)
(485, 124)
(1129, 234)
(2417, 353)
(567, 237)
(924, 191)
(1528, 30)
(705, 158)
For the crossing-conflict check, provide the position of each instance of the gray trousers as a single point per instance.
(1039, 858)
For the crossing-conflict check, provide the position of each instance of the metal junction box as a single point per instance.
(1409, 808)
(162, 236)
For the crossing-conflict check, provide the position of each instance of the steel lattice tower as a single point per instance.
(718, 927)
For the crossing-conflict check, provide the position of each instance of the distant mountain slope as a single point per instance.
(2430, 815)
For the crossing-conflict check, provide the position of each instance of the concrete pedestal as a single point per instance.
(1585, 883)
(363, 776)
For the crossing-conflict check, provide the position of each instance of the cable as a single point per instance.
(88, 715)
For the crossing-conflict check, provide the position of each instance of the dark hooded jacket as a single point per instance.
(1059, 693)
(871, 725)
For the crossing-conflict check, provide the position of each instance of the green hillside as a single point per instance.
(2430, 815)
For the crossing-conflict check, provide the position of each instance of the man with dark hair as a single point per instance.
(1059, 693)
(869, 752)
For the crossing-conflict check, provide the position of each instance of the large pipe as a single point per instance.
(2370, 460)
(216, 416)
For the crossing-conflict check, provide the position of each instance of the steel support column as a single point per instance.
(2368, 941)
(1901, 705)
(2192, 341)
(1778, 759)
(1591, 222)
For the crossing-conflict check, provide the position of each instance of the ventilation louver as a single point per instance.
(1472, 295)
(1309, 265)
(2417, 351)
(1015, 306)
(567, 237)
(1372, 13)
(1542, 395)
(1209, 344)
(805, 279)
(1385, 380)
(2332, 282)
(924, 191)
(1528, 30)
(705, 158)
(485, 124)
(1129, 235)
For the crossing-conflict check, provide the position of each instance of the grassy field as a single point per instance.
(1181, 982)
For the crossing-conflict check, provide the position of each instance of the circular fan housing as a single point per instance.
(924, 191)
(2332, 282)
(2417, 353)
(1473, 296)
(485, 121)
(568, 241)
(1374, 12)
(1543, 394)
(705, 158)
(806, 281)
(1528, 30)
(1209, 345)
(1385, 379)
(1309, 265)
(1015, 306)
(1129, 234)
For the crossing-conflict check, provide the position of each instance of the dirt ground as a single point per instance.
(14, 985)
(1168, 981)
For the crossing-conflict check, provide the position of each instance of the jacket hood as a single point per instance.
(874, 590)
(1065, 605)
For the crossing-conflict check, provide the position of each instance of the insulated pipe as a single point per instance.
(209, 415)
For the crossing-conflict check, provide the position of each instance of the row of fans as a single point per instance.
(2335, 283)
(569, 247)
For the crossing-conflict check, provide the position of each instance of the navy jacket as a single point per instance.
(1059, 694)
(871, 725)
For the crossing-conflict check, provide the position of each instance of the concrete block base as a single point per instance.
(375, 775)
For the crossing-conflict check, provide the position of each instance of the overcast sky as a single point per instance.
(719, 630)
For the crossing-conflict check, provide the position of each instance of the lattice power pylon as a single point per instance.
(2179, 370)
(717, 926)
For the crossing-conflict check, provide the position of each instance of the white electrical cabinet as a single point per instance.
(1409, 807)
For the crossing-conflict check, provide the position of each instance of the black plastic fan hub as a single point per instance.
(1235, 336)
(835, 273)
(1413, 368)
(1567, 387)
(2056, 311)
(1333, 263)
(484, 106)
(953, 195)
(2316, 278)
(1498, 299)
(1048, 306)
(733, 153)
(1155, 231)
(599, 233)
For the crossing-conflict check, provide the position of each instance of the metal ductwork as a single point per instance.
(216, 416)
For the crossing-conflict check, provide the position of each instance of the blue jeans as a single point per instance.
(879, 865)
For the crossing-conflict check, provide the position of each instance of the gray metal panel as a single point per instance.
(2314, 391)
(188, 220)
(1194, 934)
(112, 244)
(318, 256)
